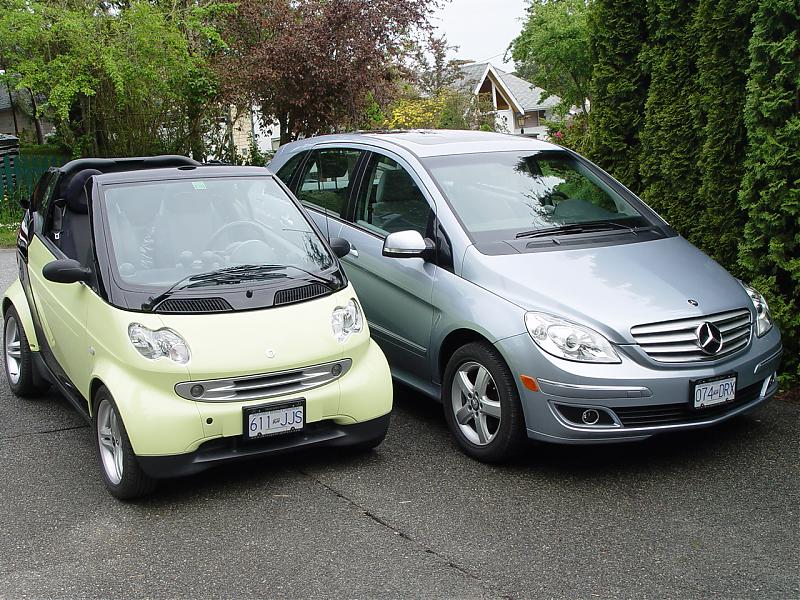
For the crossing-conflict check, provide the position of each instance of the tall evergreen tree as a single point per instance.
(724, 29)
(669, 137)
(617, 31)
(770, 251)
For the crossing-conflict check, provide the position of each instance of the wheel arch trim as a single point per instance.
(15, 296)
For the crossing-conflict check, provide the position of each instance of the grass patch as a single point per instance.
(8, 235)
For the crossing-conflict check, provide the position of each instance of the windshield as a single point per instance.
(500, 195)
(167, 231)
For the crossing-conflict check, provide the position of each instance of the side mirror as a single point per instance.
(340, 246)
(407, 244)
(66, 270)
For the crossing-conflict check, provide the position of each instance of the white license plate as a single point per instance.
(711, 393)
(266, 420)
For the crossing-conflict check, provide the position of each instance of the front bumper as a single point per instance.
(161, 423)
(635, 399)
(327, 434)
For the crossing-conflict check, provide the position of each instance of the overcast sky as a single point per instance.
(482, 29)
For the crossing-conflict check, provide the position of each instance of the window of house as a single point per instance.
(327, 178)
(390, 199)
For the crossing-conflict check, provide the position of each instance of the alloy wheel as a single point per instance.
(13, 350)
(476, 403)
(110, 440)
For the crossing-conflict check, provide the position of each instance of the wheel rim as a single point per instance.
(13, 350)
(109, 438)
(476, 403)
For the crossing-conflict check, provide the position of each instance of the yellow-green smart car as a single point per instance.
(193, 314)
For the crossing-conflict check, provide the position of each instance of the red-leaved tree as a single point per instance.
(314, 64)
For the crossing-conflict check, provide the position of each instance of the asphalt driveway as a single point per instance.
(707, 514)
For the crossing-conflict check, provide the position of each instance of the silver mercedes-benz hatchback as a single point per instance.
(530, 292)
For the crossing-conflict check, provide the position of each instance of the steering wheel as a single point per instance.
(263, 232)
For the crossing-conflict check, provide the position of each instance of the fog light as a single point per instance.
(590, 416)
(336, 370)
(197, 390)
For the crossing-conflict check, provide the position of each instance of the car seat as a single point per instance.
(76, 236)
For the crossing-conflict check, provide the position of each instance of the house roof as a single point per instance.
(524, 95)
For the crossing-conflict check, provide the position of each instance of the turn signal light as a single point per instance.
(529, 382)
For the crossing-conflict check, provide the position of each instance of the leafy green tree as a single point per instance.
(618, 32)
(552, 51)
(724, 30)
(769, 253)
(669, 136)
(119, 79)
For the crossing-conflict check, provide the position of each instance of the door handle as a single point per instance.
(353, 251)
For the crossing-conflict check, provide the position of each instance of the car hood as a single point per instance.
(611, 288)
(265, 340)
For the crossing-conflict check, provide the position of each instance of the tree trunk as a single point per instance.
(36, 121)
(13, 109)
(286, 135)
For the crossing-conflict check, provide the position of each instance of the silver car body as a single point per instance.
(420, 313)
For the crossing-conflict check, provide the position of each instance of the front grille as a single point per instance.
(266, 385)
(673, 414)
(193, 305)
(299, 294)
(676, 341)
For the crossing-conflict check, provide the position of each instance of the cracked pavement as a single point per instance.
(707, 514)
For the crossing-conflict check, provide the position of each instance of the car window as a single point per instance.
(499, 194)
(286, 172)
(390, 200)
(161, 232)
(326, 180)
(43, 196)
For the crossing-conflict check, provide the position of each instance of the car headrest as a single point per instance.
(74, 195)
(397, 186)
(332, 166)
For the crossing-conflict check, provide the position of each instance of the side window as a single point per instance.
(286, 172)
(390, 199)
(326, 180)
(43, 198)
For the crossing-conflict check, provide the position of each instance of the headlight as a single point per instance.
(567, 340)
(763, 316)
(346, 320)
(159, 343)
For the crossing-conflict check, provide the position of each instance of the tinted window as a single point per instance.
(499, 194)
(326, 180)
(286, 172)
(390, 199)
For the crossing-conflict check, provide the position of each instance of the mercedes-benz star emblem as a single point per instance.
(709, 338)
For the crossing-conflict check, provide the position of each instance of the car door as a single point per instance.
(60, 309)
(325, 183)
(395, 293)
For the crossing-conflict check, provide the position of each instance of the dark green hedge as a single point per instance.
(713, 143)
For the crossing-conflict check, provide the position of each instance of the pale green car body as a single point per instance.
(87, 336)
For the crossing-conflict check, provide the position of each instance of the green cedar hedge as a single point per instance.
(769, 254)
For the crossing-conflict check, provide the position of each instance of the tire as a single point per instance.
(18, 358)
(478, 388)
(119, 467)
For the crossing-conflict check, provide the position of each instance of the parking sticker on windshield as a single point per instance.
(199, 185)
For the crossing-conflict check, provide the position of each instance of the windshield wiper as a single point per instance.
(235, 274)
(576, 228)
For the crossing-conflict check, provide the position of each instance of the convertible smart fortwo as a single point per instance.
(193, 314)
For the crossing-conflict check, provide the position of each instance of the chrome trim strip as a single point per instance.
(397, 339)
(770, 358)
(574, 390)
(264, 385)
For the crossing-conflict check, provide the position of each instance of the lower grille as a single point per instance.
(673, 414)
(267, 385)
